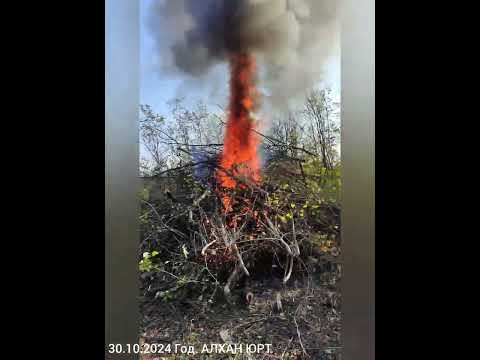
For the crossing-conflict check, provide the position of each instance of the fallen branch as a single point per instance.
(290, 268)
(240, 260)
(191, 164)
(231, 280)
(207, 246)
(300, 338)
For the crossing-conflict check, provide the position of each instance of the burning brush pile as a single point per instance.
(270, 225)
(198, 244)
(238, 225)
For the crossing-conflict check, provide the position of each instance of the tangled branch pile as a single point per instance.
(192, 244)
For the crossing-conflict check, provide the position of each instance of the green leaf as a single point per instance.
(185, 251)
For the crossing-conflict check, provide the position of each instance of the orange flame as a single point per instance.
(239, 157)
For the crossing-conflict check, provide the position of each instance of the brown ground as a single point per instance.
(308, 326)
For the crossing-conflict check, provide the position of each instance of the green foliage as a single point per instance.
(193, 338)
(148, 262)
(297, 196)
(323, 184)
(167, 296)
(321, 241)
(182, 281)
(184, 251)
(144, 193)
(291, 355)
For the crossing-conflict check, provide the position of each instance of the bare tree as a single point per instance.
(321, 114)
(288, 132)
(152, 136)
(193, 136)
(184, 137)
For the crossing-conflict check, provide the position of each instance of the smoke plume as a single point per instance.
(292, 39)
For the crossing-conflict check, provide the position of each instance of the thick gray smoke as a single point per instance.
(292, 39)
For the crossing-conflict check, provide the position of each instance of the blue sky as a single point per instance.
(157, 88)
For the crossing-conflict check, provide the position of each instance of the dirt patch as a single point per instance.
(306, 326)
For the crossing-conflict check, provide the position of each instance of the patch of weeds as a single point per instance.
(148, 263)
